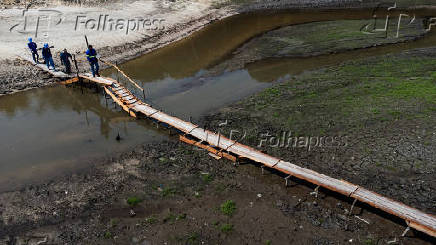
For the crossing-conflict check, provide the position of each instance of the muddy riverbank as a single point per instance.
(175, 194)
(380, 109)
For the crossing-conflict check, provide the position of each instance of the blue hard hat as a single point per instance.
(30, 39)
(45, 45)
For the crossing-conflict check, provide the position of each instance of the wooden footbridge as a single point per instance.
(220, 146)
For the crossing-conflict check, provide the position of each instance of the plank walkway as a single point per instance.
(43, 67)
(221, 146)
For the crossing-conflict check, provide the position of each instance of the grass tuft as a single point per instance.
(228, 207)
(226, 228)
(133, 201)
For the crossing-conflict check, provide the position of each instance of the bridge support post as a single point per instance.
(81, 84)
(287, 180)
(315, 191)
(352, 206)
(405, 231)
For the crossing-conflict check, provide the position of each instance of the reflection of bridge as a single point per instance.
(220, 146)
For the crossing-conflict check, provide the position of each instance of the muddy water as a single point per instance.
(53, 130)
(58, 129)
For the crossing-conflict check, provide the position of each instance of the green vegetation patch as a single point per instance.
(356, 93)
(168, 191)
(133, 201)
(108, 235)
(193, 238)
(207, 178)
(151, 220)
(228, 207)
(226, 228)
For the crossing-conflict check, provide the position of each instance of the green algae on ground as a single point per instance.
(377, 88)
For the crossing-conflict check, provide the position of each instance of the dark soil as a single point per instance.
(175, 194)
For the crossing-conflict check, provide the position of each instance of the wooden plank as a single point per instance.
(419, 220)
(99, 80)
(208, 148)
(124, 74)
(70, 81)
(55, 73)
(124, 107)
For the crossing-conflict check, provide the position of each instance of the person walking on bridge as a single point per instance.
(91, 55)
(65, 60)
(33, 48)
(46, 54)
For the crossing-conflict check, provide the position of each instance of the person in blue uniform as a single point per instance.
(46, 54)
(91, 55)
(34, 49)
(65, 60)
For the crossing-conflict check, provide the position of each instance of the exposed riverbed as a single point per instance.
(71, 128)
(180, 189)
